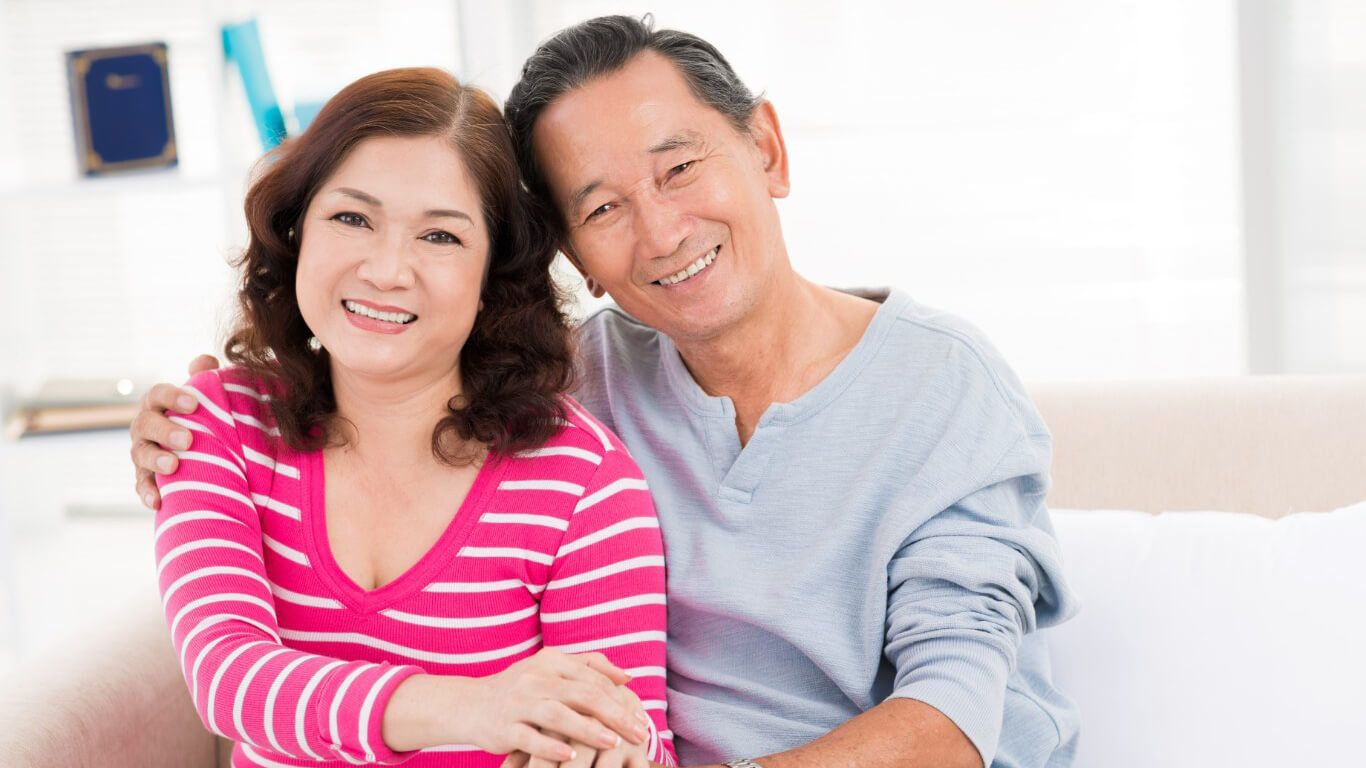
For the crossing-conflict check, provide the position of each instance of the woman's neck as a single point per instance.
(389, 422)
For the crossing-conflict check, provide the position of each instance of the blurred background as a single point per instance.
(1109, 188)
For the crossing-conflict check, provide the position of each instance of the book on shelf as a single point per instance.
(74, 405)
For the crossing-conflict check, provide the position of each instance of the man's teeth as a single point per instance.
(388, 317)
(691, 269)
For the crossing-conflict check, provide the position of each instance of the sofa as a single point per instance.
(1206, 526)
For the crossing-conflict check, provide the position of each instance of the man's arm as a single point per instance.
(898, 733)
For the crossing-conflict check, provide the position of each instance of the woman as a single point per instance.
(390, 513)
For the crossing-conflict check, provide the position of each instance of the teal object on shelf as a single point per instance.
(242, 46)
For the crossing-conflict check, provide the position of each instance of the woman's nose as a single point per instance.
(387, 268)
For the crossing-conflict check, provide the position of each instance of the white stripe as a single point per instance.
(252, 421)
(337, 698)
(214, 488)
(452, 748)
(299, 598)
(217, 678)
(635, 601)
(287, 552)
(288, 511)
(303, 707)
(645, 671)
(191, 546)
(213, 570)
(224, 597)
(525, 554)
(476, 587)
(213, 621)
(473, 622)
(651, 636)
(186, 517)
(209, 458)
(241, 697)
(210, 406)
(356, 638)
(261, 760)
(541, 485)
(257, 457)
(610, 490)
(616, 529)
(545, 521)
(654, 704)
(648, 561)
(193, 675)
(365, 712)
(195, 426)
(259, 397)
(562, 450)
(593, 425)
(273, 695)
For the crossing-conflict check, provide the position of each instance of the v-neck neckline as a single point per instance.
(420, 573)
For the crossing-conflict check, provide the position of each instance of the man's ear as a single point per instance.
(767, 135)
(593, 286)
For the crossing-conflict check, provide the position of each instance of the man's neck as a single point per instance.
(791, 341)
(389, 423)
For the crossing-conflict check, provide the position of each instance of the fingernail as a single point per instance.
(180, 440)
(147, 500)
(609, 739)
(641, 733)
(165, 464)
(572, 755)
(185, 403)
(642, 717)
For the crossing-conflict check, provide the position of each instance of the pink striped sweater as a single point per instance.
(288, 657)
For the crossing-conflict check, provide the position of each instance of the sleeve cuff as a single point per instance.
(965, 681)
(383, 754)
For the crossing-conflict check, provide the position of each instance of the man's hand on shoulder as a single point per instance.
(155, 436)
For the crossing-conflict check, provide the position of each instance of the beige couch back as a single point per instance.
(1266, 445)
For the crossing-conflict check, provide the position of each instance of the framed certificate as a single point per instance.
(121, 107)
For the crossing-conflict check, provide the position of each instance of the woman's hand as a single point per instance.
(576, 696)
(623, 755)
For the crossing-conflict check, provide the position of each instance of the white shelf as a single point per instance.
(160, 181)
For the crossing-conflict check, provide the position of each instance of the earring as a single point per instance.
(290, 235)
(314, 345)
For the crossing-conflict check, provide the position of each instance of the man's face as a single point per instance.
(667, 206)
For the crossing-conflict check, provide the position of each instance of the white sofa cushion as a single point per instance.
(1209, 638)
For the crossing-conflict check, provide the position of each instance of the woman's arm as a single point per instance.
(606, 589)
(249, 687)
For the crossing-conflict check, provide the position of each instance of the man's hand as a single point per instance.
(154, 435)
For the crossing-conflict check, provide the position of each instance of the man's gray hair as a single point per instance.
(604, 45)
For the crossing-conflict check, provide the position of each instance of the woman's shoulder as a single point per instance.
(235, 405)
(581, 429)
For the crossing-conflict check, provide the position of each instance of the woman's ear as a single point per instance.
(767, 135)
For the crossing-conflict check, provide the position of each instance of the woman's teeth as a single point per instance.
(402, 318)
(691, 269)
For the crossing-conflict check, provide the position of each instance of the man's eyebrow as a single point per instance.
(372, 200)
(684, 140)
(576, 199)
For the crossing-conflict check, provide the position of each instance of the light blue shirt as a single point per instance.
(884, 535)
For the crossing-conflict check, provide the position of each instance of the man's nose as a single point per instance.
(388, 267)
(661, 226)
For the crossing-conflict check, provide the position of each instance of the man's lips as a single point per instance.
(697, 265)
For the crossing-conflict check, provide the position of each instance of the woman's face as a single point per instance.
(392, 257)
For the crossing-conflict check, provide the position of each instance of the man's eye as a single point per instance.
(441, 237)
(682, 168)
(350, 219)
(600, 210)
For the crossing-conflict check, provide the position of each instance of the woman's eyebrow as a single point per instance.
(433, 213)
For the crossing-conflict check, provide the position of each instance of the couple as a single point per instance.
(387, 533)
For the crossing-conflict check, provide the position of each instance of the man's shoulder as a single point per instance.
(611, 335)
(929, 346)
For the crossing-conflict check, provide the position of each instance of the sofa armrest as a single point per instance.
(115, 698)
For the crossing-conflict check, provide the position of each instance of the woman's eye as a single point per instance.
(350, 219)
(441, 238)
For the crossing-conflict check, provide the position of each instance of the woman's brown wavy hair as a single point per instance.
(517, 361)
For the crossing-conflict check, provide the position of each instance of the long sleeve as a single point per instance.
(216, 594)
(606, 587)
(964, 589)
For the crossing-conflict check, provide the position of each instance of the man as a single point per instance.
(851, 491)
